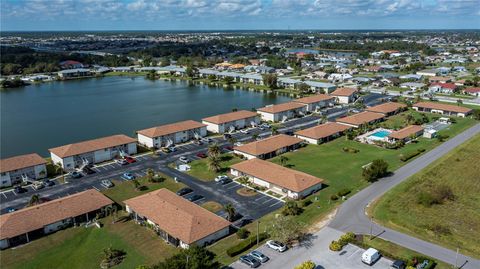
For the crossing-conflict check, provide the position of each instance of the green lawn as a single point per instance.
(452, 223)
(199, 168)
(82, 248)
(124, 190)
(395, 251)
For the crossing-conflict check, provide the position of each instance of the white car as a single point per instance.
(38, 185)
(220, 178)
(206, 140)
(184, 159)
(275, 245)
(107, 183)
(121, 161)
(172, 149)
(244, 131)
(238, 144)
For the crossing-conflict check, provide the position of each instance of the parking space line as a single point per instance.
(231, 187)
(275, 203)
(351, 255)
(263, 196)
(267, 201)
(96, 188)
(4, 194)
(13, 192)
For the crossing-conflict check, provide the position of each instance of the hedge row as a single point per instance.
(408, 156)
(245, 244)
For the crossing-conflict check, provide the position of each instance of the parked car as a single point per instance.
(250, 261)
(398, 264)
(20, 189)
(184, 191)
(10, 209)
(206, 139)
(48, 182)
(275, 245)
(198, 142)
(172, 148)
(370, 256)
(225, 181)
(238, 144)
(38, 185)
(219, 178)
(128, 176)
(265, 125)
(87, 170)
(227, 136)
(121, 161)
(202, 155)
(183, 159)
(423, 265)
(195, 197)
(166, 150)
(129, 159)
(107, 183)
(229, 148)
(245, 131)
(75, 174)
(259, 256)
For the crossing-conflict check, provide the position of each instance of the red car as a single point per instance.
(230, 148)
(129, 159)
(201, 155)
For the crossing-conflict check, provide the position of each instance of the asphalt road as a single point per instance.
(351, 215)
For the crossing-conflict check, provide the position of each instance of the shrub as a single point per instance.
(306, 203)
(335, 246)
(425, 199)
(246, 244)
(437, 195)
(333, 197)
(350, 150)
(377, 169)
(243, 233)
(306, 265)
(157, 179)
(407, 156)
(291, 208)
(343, 192)
(346, 238)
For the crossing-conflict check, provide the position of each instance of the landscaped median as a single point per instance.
(200, 170)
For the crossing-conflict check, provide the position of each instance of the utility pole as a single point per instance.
(456, 259)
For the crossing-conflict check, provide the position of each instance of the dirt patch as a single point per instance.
(244, 191)
(323, 222)
(212, 206)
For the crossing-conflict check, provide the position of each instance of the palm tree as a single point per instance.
(254, 136)
(34, 200)
(136, 184)
(274, 129)
(230, 211)
(150, 174)
(409, 118)
(324, 119)
(283, 160)
(213, 163)
(459, 102)
(213, 150)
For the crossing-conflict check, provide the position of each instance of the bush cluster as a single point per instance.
(343, 241)
(243, 233)
(350, 150)
(436, 195)
(408, 156)
(343, 192)
(377, 169)
(246, 244)
(306, 265)
(333, 197)
(306, 203)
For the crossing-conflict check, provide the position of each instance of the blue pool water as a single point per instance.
(380, 134)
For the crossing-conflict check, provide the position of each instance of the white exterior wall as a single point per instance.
(267, 116)
(275, 117)
(224, 127)
(5, 180)
(260, 182)
(145, 140)
(53, 227)
(213, 237)
(307, 192)
(248, 156)
(343, 99)
(38, 171)
(309, 140)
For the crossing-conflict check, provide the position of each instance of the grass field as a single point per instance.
(82, 248)
(452, 223)
(199, 168)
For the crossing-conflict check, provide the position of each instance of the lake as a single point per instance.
(41, 116)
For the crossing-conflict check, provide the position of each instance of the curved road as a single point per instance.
(351, 215)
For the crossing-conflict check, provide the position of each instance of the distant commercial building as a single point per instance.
(268, 147)
(22, 168)
(282, 112)
(99, 150)
(232, 121)
(178, 221)
(170, 134)
(30, 223)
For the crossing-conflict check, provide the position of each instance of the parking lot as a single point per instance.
(317, 250)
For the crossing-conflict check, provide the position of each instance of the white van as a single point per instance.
(370, 256)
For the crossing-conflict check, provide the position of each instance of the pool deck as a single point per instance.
(368, 137)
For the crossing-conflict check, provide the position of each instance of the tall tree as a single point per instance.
(230, 211)
(194, 257)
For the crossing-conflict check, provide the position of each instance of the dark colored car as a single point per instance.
(225, 181)
(75, 174)
(184, 191)
(201, 155)
(250, 261)
(227, 136)
(197, 142)
(48, 183)
(20, 189)
(230, 148)
(195, 197)
(398, 264)
(166, 150)
(87, 170)
(129, 159)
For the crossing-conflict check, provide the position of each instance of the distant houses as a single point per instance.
(16, 169)
(74, 73)
(94, 151)
(170, 134)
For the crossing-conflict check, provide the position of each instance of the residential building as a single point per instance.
(387, 109)
(439, 79)
(287, 83)
(345, 95)
(444, 109)
(472, 91)
(442, 87)
(232, 121)
(282, 112)
(361, 119)
(291, 183)
(74, 73)
(269, 147)
(405, 134)
(255, 79)
(320, 87)
(428, 72)
(99, 150)
(27, 224)
(316, 102)
(27, 167)
(412, 85)
(322, 133)
(177, 220)
(170, 134)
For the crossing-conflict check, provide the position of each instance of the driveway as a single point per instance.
(316, 249)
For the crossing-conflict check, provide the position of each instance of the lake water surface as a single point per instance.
(38, 117)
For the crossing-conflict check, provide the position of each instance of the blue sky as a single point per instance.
(38, 15)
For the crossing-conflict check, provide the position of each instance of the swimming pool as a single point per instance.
(379, 135)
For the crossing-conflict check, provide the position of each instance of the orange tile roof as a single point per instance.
(19, 162)
(444, 107)
(278, 175)
(175, 215)
(281, 107)
(406, 132)
(313, 99)
(361, 118)
(343, 92)
(268, 145)
(323, 130)
(386, 108)
(171, 128)
(36, 217)
(237, 66)
(91, 145)
(232, 116)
